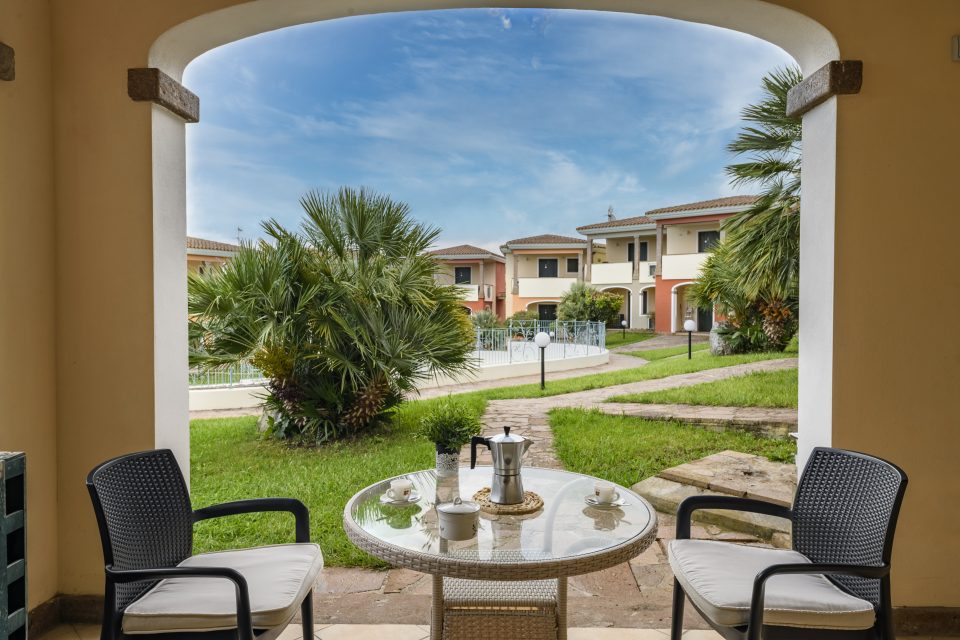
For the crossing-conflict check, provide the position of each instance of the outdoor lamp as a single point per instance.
(542, 340)
(623, 326)
(689, 326)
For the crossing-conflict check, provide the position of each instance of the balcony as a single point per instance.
(611, 273)
(544, 287)
(470, 292)
(683, 266)
(621, 273)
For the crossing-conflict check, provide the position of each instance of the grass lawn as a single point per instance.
(229, 461)
(616, 337)
(658, 369)
(626, 450)
(667, 352)
(761, 389)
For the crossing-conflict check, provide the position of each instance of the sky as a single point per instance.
(490, 124)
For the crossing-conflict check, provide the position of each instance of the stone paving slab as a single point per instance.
(762, 421)
(739, 474)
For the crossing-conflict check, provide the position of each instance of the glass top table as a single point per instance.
(566, 537)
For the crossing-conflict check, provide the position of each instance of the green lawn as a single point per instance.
(667, 352)
(658, 369)
(616, 337)
(626, 450)
(761, 389)
(229, 461)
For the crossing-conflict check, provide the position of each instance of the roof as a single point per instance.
(464, 250)
(617, 222)
(716, 203)
(547, 238)
(210, 245)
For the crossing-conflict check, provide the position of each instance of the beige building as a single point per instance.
(92, 178)
(204, 254)
(541, 269)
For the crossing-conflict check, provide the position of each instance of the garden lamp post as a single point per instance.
(542, 340)
(689, 326)
(623, 327)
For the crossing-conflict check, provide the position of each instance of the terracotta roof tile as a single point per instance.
(464, 250)
(620, 222)
(210, 245)
(547, 238)
(732, 201)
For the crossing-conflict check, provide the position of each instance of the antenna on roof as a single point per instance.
(610, 216)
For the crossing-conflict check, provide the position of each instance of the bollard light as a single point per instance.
(542, 340)
(623, 325)
(689, 326)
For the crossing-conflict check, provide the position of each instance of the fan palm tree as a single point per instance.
(343, 316)
(757, 265)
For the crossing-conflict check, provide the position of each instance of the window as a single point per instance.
(653, 269)
(573, 265)
(548, 268)
(706, 240)
(630, 250)
(643, 302)
(461, 275)
(643, 252)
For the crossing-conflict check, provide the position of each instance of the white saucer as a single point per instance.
(593, 502)
(414, 497)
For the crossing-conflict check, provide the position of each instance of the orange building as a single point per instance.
(479, 273)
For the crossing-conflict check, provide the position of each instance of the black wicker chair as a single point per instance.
(834, 584)
(155, 584)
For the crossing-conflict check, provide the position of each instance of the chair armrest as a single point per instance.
(261, 505)
(244, 619)
(695, 503)
(760, 583)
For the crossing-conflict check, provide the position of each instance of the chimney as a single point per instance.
(610, 216)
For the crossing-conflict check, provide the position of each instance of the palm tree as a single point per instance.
(757, 265)
(343, 316)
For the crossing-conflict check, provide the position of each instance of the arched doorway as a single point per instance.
(626, 308)
(811, 44)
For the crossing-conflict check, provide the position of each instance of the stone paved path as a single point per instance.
(662, 341)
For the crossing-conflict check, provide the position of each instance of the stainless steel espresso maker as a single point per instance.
(507, 451)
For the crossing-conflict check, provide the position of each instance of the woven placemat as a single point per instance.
(531, 502)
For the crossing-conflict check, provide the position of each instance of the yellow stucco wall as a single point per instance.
(617, 248)
(58, 211)
(682, 238)
(28, 402)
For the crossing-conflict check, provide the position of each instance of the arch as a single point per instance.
(674, 303)
(541, 301)
(809, 42)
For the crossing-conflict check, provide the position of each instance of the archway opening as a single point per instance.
(806, 40)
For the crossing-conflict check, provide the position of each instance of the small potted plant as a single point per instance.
(449, 425)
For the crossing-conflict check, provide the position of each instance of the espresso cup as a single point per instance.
(400, 489)
(605, 493)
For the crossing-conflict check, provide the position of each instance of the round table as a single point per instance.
(566, 537)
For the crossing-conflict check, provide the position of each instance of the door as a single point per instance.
(548, 268)
(704, 319)
(548, 312)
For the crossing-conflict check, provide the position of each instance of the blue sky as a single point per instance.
(492, 124)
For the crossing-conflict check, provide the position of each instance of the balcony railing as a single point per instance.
(611, 273)
(544, 287)
(471, 292)
(683, 266)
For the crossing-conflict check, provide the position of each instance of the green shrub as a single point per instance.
(526, 314)
(583, 302)
(485, 319)
(450, 424)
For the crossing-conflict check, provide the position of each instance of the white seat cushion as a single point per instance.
(718, 578)
(278, 578)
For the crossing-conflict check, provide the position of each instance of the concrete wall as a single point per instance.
(78, 174)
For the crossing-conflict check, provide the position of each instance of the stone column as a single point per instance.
(515, 284)
(588, 266)
(482, 287)
(636, 256)
(660, 243)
